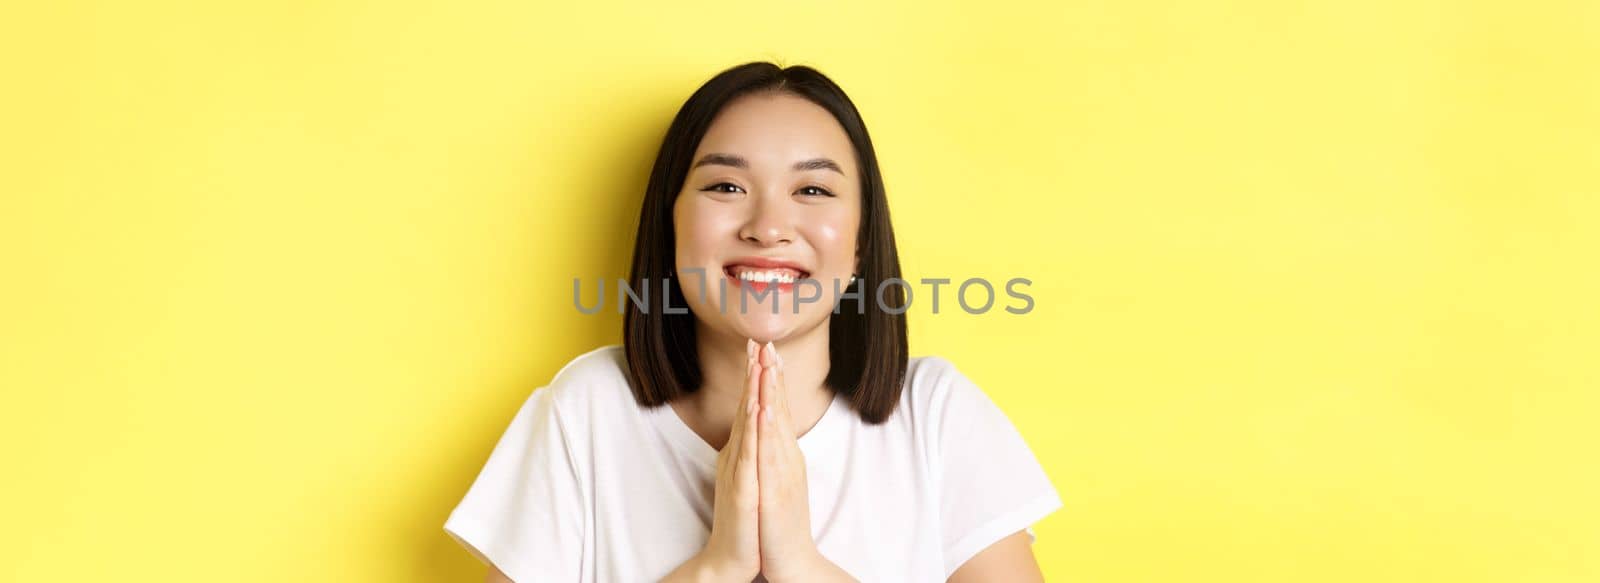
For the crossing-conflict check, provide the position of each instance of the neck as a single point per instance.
(722, 359)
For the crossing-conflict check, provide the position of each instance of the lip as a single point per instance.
(766, 263)
(763, 263)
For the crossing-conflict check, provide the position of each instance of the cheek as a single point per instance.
(700, 229)
(834, 236)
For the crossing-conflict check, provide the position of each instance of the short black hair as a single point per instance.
(866, 336)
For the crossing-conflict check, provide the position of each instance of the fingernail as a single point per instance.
(749, 348)
(766, 413)
(772, 351)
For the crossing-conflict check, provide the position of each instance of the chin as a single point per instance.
(764, 326)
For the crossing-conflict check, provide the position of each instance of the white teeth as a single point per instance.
(765, 275)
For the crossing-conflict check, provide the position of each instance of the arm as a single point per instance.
(695, 570)
(495, 576)
(527, 527)
(824, 570)
(1008, 559)
(991, 486)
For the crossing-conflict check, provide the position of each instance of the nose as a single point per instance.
(769, 223)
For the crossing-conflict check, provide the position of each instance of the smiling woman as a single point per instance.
(760, 444)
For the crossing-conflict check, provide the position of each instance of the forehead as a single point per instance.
(773, 131)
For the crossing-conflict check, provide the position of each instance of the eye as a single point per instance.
(717, 188)
(820, 191)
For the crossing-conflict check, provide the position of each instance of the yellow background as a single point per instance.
(1315, 282)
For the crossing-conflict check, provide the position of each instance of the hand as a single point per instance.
(732, 552)
(787, 549)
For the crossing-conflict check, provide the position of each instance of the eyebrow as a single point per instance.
(738, 162)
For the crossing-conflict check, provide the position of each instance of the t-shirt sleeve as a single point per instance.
(991, 485)
(524, 513)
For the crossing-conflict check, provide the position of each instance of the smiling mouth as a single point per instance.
(759, 279)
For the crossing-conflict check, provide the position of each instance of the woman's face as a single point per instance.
(772, 196)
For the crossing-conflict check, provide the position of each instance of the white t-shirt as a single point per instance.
(585, 485)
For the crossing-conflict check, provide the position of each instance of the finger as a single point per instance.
(752, 391)
(769, 465)
(748, 395)
(740, 449)
(767, 433)
(746, 464)
(744, 417)
(782, 397)
(743, 481)
(769, 355)
(751, 350)
(774, 419)
(739, 425)
(767, 363)
(782, 428)
(775, 392)
(743, 474)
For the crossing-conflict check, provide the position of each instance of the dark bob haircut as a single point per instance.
(866, 342)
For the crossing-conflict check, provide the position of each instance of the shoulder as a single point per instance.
(935, 382)
(938, 396)
(930, 369)
(595, 378)
(939, 400)
(601, 365)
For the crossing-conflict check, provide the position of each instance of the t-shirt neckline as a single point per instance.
(812, 444)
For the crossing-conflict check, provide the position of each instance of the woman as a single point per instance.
(761, 420)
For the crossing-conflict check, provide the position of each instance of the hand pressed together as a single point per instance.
(761, 521)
